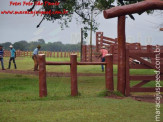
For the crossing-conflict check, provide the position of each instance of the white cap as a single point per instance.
(11, 46)
(103, 47)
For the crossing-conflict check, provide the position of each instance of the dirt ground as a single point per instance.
(142, 98)
(49, 74)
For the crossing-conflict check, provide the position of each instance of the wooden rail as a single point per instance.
(73, 73)
(143, 78)
(60, 54)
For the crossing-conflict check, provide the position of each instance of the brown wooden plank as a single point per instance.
(110, 39)
(149, 89)
(134, 56)
(139, 66)
(146, 77)
(127, 90)
(145, 54)
(141, 83)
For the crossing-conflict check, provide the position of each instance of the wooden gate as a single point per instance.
(142, 60)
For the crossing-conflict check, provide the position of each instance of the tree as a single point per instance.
(21, 45)
(82, 8)
(6, 45)
(41, 41)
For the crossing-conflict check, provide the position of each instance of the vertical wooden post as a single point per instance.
(42, 76)
(61, 54)
(127, 91)
(65, 54)
(83, 52)
(149, 48)
(97, 42)
(101, 41)
(86, 53)
(121, 55)
(109, 72)
(74, 88)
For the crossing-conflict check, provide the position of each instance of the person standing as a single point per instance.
(103, 53)
(35, 57)
(12, 57)
(1, 56)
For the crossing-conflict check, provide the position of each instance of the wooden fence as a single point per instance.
(145, 60)
(47, 53)
(112, 47)
(73, 73)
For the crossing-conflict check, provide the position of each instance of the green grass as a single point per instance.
(19, 101)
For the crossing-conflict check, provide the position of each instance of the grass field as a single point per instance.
(20, 102)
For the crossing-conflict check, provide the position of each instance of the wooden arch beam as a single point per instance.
(133, 8)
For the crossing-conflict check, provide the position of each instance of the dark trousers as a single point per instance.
(1, 59)
(12, 59)
(102, 60)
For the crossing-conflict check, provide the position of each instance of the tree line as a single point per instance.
(50, 46)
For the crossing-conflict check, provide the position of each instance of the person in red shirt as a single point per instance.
(103, 53)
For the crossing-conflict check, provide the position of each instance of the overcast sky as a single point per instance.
(144, 29)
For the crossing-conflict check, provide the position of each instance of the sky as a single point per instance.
(13, 28)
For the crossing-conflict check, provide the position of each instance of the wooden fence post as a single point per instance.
(42, 76)
(65, 54)
(127, 90)
(109, 72)
(85, 58)
(74, 88)
(61, 54)
(121, 55)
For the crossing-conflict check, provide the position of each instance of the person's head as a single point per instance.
(38, 46)
(1, 47)
(10, 46)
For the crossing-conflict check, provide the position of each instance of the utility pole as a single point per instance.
(81, 45)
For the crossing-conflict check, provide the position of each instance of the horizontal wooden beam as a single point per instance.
(147, 77)
(58, 63)
(146, 54)
(110, 39)
(161, 29)
(144, 89)
(133, 8)
(91, 63)
(78, 63)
